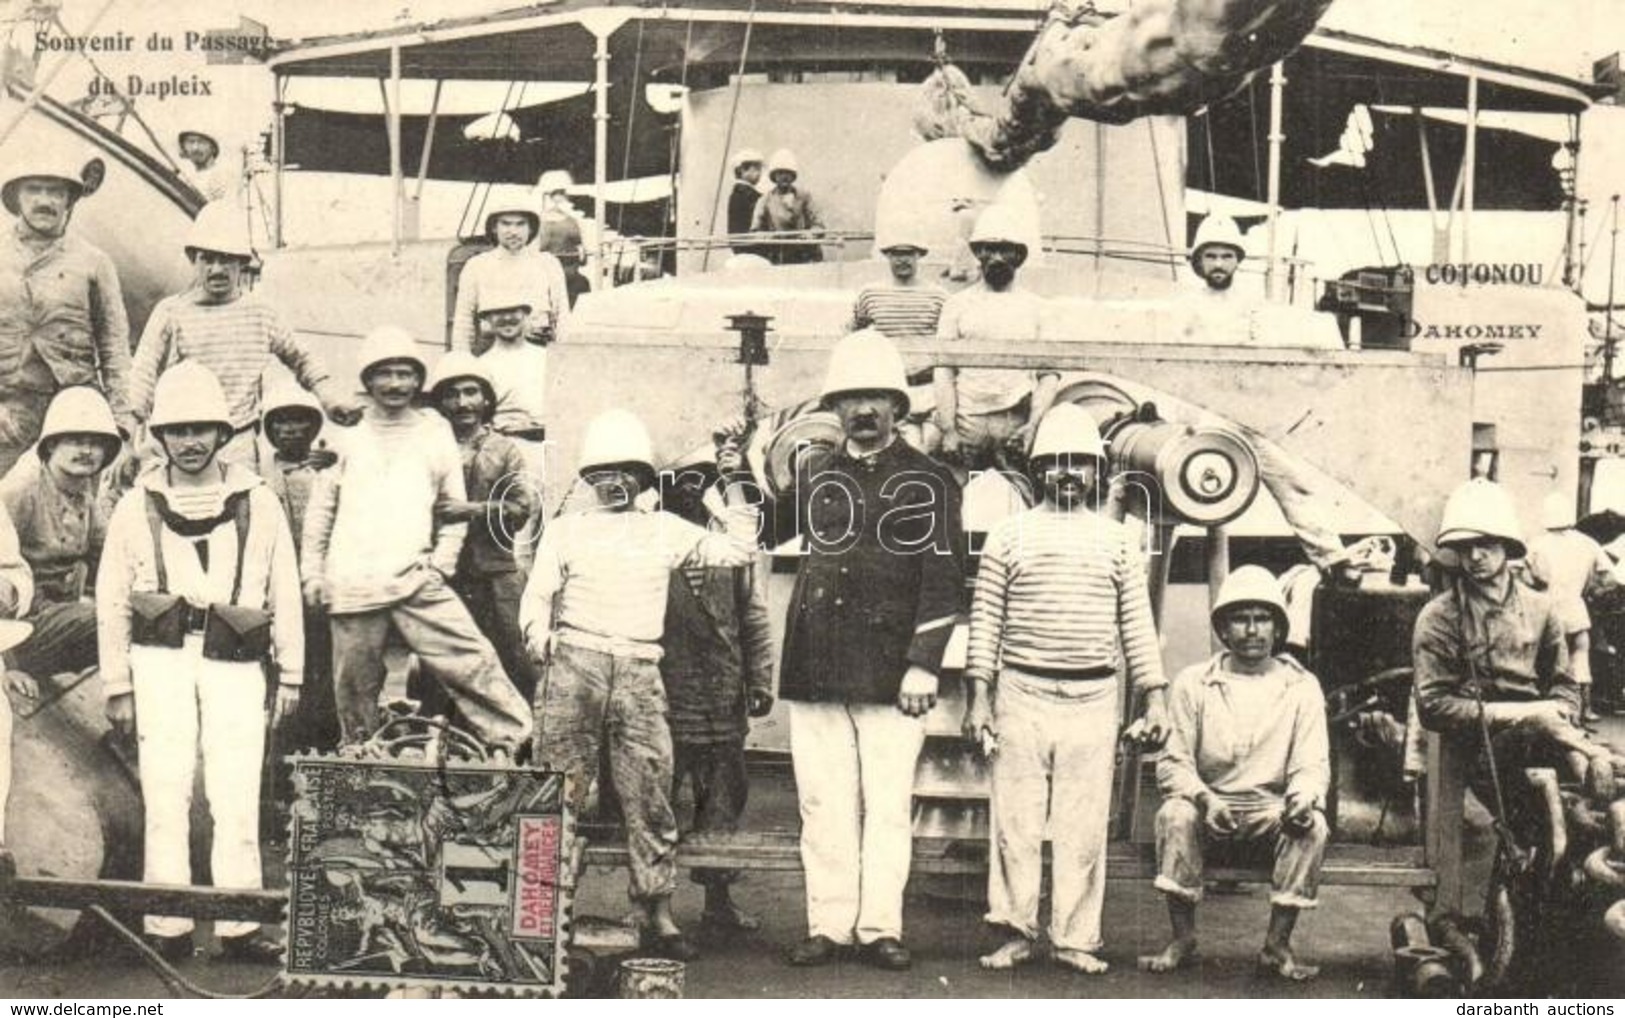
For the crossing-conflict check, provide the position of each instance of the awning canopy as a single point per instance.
(550, 139)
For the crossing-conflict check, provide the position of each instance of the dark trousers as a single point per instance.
(717, 786)
(63, 640)
(494, 603)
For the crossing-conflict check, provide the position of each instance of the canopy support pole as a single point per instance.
(1471, 160)
(1277, 136)
(600, 149)
(392, 104)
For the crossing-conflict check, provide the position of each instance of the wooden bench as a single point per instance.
(779, 850)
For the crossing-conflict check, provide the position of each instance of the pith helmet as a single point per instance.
(390, 343)
(1481, 508)
(42, 168)
(866, 361)
(287, 399)
(503, 300)
(998, 224)
(1557, 511)
(554, 180)
(189, 393)
(902, 240)
(744, 157)
(1220, 231)
(512, 207)
(1068, 428)
(180, 139)
(1249, 585)
(220, 226)
(81, 410)
(461, 364)
(617, 438)
(782, 159)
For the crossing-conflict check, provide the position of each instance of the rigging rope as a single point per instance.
(728, 139)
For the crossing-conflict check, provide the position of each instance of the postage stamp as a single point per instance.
(406, 874)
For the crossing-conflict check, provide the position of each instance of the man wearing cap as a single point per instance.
(1244, 773)
(560, 229)
(905, 307)
(403, 462)
(788, 208)
(61, 520)
(498, 509)
(593, 613)
(1492, 666)
(876, 597)
(197, 593)
(203, 168)
(62, 319)
(232, 333)
(1571, 566)
(1059, 590)
(747, 191)
(513, 267)
(988, 415)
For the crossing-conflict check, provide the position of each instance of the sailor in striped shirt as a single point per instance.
(907, 307)
(1057, 590)
(233, 334)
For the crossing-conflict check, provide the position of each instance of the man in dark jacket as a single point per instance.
(747, 167)
(878, 593)
(718, 673)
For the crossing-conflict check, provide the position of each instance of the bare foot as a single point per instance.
(1177, 954)
(1279, 963)
(1012, 953)
(1080, 961)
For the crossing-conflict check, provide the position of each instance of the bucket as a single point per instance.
(651, 979)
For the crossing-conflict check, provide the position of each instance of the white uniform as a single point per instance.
(185, 702)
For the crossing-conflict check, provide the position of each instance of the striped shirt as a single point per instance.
(1062, 590)
(611, 572)
(901, 312)
(235, 340)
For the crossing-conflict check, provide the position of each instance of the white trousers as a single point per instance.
(1054, 767)
(184, 703)
(854, 766)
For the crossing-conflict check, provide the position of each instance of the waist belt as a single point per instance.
(528, 434)
(1094, 674)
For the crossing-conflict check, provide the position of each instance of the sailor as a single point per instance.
(1246, 769)
(747, 191)
(60, 517)
(593, 615)
(62, 319)
(561, 233)
(1492, 665)
(988, 415)
(16, 593)
(788, 208)
(292, 425)
(372, 579)
(203, 168)
(1059, 589)
(197, 592)
(717, 671)
(905, 306)
(1571, 566)
(513, 266)
(1216, 255)
(500, 503)
(232, 333)
(876, 597)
